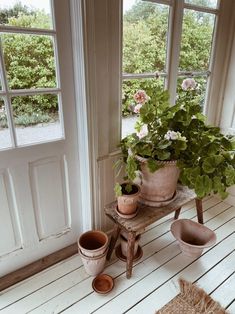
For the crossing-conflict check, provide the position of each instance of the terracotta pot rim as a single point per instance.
(131, 195)
(93, 257)
(210, 242)
(161, 162)
(90, 232)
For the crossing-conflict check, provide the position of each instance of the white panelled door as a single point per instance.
(40, 208)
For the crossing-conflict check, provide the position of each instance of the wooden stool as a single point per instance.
(145, 217)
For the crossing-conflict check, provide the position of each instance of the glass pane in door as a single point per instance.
(37, 119)
(29, 61)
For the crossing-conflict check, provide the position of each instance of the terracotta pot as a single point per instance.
(158, 187)
(124, 245)
(94, 265)
(127, 203)
(192, 237)
(93, 243)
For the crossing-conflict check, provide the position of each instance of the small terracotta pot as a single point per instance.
(127, 203)
(192, 237)
(124, 245)
(94, 265)
(93, 243)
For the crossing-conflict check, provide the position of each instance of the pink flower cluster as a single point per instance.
(188, 84)
(141, 98)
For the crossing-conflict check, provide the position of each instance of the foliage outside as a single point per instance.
(205, 157)
(145, 29)
(30, 64)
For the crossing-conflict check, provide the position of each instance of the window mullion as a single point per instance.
(7, 99)
(173, 48)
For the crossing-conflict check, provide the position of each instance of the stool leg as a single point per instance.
(113, 240)
(130, 253)
(199, 210)
(177, 213)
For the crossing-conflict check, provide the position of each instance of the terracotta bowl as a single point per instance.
(103, 283)
(93, 243)
(192, 236)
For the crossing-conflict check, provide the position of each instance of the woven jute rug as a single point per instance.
(191, 300)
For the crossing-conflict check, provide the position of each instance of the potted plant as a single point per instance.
(174, 142)
(127, 195)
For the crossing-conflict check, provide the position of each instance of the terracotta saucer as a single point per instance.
(157, 203)
(138, 255)
(103, 283)
(126, 216)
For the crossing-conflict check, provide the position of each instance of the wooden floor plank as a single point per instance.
(215, 275)
(66, 283)
(67, 288)
(225, 293)
(231, 308)
(148, 251)
(39, 280)
(122, 284)
(158, 277)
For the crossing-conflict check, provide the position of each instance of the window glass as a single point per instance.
(26, 13)
(5, 137)
(36, 118)
(197, 36)
(129, 88)
(29, 61)
(204, 3)
(192, 89)
(145, 28)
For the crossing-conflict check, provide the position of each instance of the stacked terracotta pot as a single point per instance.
(93, 248)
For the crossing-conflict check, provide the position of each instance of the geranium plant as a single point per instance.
(204, 156)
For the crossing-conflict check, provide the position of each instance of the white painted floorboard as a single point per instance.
(66, 288)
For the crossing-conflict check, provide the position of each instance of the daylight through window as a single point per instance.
(150, 41)
(30, 103)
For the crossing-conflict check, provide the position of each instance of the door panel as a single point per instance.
(9, 222)
(50, 196)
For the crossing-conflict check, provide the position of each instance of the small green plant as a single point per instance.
(124, 188)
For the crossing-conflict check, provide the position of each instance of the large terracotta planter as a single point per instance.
(192, 237)
(93, 243)
(158, 188)
(127, 203)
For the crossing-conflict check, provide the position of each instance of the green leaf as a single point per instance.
(230, 175)
(163, 155)
(210, 163)
(131, 167)
(118, 190)
(153, 165)
(203, 186)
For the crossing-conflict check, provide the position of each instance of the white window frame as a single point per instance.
(176, 11)
(6, 93)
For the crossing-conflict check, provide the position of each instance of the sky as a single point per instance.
(37, 4)
(127, 4)
(45, 4)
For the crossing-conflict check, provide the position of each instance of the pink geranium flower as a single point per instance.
(141, 97)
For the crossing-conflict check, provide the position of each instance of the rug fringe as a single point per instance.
(198, 298)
